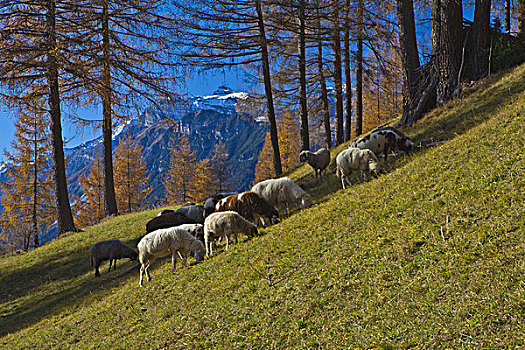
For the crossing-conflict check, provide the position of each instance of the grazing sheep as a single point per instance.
(385, 140)
(166, 220)
(224, 224)
(318, 160)
(355, 159)
(110, 250)
(194, 212)
(250, 205)
(177, 240)
(196, 230)
(282, 192)
(210, 203)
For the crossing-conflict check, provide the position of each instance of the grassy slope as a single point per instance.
(431, 255)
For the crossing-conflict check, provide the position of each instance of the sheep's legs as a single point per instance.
(97, 272)
(227, 240)
(174, 260)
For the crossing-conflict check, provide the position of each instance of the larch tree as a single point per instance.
(222, 169)
(322, 80)
(35, 65)
(264, 167)
(290, 141)
(348, 70)
(226, 33)
(179, 178)
(131, 179)
(89, 209)
(205, 181)
(338, 77)
(127, 60)
(480, 40)
(359, 69)
(27, 194)
(409, 57)
(447, 43)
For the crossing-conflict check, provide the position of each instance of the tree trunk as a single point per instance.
(305, 136)
(521, 17)
(409, 56)
(359, 70)
(64, 216)
(479, 41)
(348, 73)
(324, 91)
(34, 214)
(449, 48)
(338, 78)
(507, 17)
(268, 90)
(110, 203)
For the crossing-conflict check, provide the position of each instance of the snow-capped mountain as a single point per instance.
(205, 120)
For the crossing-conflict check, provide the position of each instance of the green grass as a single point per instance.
(430, 255)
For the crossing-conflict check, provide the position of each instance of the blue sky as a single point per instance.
(200, 84)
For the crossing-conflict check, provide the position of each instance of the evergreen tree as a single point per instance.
(131, 181)
(27, 196)
(90, 209)
(180, 176)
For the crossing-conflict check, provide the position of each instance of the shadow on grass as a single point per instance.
(462, 115)
(40, 290)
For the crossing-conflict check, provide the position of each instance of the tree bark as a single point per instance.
(64, 216)
(348, 73)
(110, 203)
(338, 78)
(507, 17)
(409, 55)
(324, 91)
(268, 90)
(479, 41)
(521, 17)
(449, 48)
(35, 187)
(305, 136)
(359, 70)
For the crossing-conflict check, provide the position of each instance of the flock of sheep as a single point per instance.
(195, 228)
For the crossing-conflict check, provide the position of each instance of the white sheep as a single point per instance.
(385, 140)
(282, 193)
(318, 160)
(178, 240)
(225, 224)
(355, 159)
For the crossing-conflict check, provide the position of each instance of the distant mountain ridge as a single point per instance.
(205, 120)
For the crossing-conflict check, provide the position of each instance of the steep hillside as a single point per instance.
(430, 255)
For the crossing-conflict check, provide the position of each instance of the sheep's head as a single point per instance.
(198, 250)
(253, 232)
(409, 146)
(133, 255)
(303, 156)
(306, 201)
(371, 159)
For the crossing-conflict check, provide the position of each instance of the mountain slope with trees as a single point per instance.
(429, 255)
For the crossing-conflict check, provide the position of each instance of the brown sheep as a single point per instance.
(250, 205)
